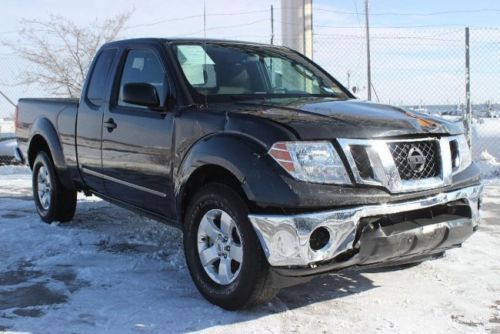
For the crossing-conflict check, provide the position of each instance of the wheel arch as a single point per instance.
(44, 138)
(225, 158)
(208, 174)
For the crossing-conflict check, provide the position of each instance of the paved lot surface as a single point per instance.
(115, 272)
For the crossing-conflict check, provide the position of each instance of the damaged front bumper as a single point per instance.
(369, 234)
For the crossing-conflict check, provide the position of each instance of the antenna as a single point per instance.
(272, 25)
(204, 19)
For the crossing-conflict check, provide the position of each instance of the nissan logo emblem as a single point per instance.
(416, 159)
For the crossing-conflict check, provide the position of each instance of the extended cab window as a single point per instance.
(96, 90)
(143, 66)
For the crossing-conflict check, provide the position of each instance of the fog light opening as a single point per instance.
(319, 238)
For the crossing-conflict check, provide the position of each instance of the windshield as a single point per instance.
(222, 71)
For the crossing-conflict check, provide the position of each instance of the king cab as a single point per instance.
(272, 169)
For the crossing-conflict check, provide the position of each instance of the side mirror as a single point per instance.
(354, 89)
(142, 94)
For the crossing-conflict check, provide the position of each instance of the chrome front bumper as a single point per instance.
(285, 238)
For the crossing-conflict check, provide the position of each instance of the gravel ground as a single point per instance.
(115, 272)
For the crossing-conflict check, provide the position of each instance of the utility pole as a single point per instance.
(308, 27)
(368, 58)
(468, 104)
(297, 25)
(272, 25)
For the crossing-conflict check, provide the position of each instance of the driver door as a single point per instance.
(137, 140)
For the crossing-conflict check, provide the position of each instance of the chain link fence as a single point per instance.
(423, 70)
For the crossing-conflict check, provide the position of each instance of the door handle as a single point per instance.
(110, 125)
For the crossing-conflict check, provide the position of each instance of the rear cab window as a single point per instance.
(97, 84)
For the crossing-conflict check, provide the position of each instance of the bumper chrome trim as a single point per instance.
(285, 238)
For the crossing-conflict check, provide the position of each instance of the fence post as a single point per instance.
(468, 106)
(368, 54)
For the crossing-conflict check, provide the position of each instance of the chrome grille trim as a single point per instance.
(385, 171)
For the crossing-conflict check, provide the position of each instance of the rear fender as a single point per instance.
(44, 128)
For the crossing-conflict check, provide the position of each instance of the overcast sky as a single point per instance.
(417, 45)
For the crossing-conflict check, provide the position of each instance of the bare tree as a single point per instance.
(62, 50)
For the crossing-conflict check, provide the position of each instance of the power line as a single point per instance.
(425, 38)
(164, 21)
(449, 12)
(391, 27)
(194, 17)
(225, 27)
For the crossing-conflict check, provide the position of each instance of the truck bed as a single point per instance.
(59, 113)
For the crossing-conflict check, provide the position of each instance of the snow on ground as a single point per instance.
(13, 169)
(490, 167)
(112, 271)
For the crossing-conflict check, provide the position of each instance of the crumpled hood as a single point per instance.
(323, 118)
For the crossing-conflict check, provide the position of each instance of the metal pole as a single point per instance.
(468, 105)
(368, 60)
(272, 25)
(7, 98)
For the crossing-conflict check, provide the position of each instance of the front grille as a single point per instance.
(425, 154)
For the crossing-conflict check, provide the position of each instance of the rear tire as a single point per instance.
(250, 280)
(53, 201)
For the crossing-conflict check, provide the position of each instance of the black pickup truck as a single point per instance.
(273, 170)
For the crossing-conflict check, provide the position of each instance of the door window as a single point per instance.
(143, 66)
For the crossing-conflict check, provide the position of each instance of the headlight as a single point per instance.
(460, 153)
(316, 162)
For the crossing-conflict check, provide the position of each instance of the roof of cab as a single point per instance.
(185, 40)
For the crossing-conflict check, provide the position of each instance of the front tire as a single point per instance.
(223, 253)
(53, 201)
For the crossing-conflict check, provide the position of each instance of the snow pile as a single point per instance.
(14, 170)
(490, 167)
(486, 137)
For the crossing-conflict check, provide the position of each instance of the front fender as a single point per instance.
(261, 179)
